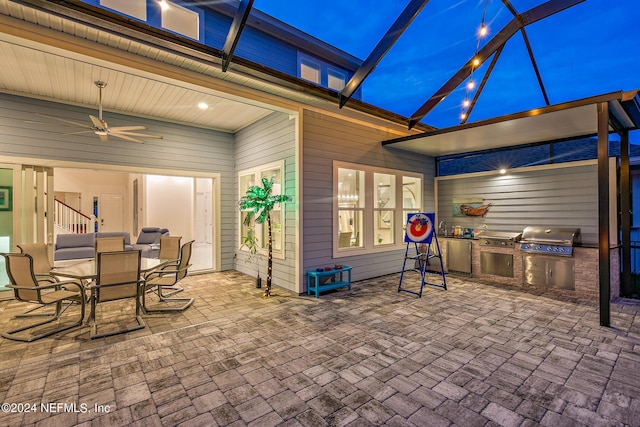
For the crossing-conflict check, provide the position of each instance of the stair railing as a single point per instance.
(70, 219)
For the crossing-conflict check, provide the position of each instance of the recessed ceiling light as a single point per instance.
(203, 106)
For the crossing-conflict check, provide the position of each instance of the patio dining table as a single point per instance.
(86, 270)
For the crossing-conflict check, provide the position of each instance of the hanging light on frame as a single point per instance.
(475, 63)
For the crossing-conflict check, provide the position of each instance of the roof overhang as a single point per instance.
(561, 121)
(78, 40)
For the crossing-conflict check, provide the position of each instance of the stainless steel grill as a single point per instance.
(500, 239)
(550, 241)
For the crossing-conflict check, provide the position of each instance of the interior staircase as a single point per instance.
(69, 220)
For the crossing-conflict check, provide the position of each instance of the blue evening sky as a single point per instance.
(587, 50)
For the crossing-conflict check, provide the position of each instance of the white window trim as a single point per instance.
(368, 239)
(257, 171)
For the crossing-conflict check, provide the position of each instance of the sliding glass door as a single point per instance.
(130, 201)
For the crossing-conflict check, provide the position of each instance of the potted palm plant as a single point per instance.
(259, 201)
(250, 242)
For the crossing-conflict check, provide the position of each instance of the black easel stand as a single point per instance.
(421, 267)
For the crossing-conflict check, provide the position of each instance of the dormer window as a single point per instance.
(321, 73)
(336, 78)
(180, 20)
(310, 70)
(172, 16)
(134, 8)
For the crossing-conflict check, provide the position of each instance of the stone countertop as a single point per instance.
(442, 236)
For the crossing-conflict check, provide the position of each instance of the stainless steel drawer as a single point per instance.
(496, 264)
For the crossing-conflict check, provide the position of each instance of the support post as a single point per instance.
(604, 264)
(625, 214)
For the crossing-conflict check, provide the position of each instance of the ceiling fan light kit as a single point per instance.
(101, 128)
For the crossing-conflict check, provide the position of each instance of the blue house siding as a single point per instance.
(255, 44)
(215, 29)
(260, 47)
(267, 50)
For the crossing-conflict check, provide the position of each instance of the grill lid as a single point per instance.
(552, 236)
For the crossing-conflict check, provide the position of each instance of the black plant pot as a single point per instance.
(258, 282)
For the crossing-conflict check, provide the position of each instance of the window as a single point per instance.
(180, 20)
(134, 8)
(251, 177)
(351, 198)
(318, 72)
(276, 222)
(336, 79)
(371, 207)
(310, 70)
(384, 204)
(171, 16)
(411, 198)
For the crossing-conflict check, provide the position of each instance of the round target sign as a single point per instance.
(419, 228)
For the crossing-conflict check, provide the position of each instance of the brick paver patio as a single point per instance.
(473, 355)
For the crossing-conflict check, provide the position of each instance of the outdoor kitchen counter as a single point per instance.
(584, 257)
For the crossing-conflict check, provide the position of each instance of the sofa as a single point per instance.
(74, 246)
(78, 246)
(148, 241)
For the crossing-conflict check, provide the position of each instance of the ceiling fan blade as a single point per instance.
(82, 125)
(141, 135)
(126, 128)
(80, 132)
(97, 123)
(127, 138)
(103, 137)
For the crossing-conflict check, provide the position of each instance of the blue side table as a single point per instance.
(314, 285)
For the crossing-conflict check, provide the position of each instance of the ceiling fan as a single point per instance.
(100, 127)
